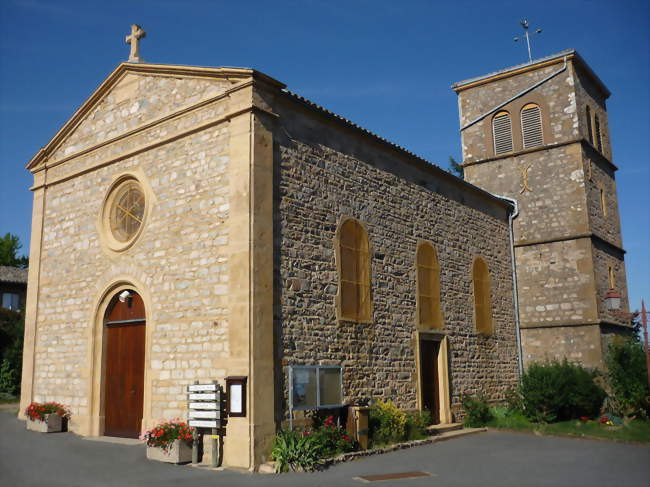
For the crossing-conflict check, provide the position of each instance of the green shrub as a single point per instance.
(297, 451)
(387, 423)
(559, 391)
(416, 425)
(11, 349)
(477, 411)
(627, 379)
(7, 378)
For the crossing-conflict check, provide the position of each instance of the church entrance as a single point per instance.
(429, 350)
(124, 380)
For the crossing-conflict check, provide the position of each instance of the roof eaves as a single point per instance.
(460, 84)
(310, 104)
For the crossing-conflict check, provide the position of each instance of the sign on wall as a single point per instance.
(315, 387)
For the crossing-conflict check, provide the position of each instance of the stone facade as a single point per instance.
(325, 173)
(567, 235)
(244, 186)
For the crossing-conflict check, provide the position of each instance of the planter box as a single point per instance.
(53, 424)
(180, 452)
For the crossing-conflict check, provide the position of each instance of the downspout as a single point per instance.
(513, 214)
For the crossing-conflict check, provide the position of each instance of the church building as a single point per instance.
(194, 224)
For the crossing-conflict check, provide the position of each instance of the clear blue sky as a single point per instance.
(386, 65)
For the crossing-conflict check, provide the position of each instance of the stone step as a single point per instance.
(437, 429)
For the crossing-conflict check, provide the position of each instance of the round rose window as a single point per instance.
(123, 214)
(127, 211)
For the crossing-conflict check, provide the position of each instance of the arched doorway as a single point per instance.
(124, 377)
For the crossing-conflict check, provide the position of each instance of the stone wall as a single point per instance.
(326, 172)
(180, 258)
(599, 175)
(556, 283)
(576, 343)
(553, 205)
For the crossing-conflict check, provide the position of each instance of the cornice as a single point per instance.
(145, 147)
(513, 72)
(584, 142)
(556, 324)
(564, 238)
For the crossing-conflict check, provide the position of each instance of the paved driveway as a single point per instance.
(487, 459)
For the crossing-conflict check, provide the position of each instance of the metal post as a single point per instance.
(530, 56)
(644, 321)
(215, 432)
(195, 440)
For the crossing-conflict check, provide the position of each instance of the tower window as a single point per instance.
(354, 272)
(502, 133)
(599, 139)
(428, 286)
(590, 131)
(531, 126)
(610, 276)
(482, 297)
(603, 202)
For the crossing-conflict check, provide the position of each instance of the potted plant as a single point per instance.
(46, 417)
(169, 442)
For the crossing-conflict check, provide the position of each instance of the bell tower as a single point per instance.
(538, 133)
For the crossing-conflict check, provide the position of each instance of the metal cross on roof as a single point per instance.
(525, 25)
(134, 39)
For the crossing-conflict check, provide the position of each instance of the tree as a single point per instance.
(455, 168)
(9, 247)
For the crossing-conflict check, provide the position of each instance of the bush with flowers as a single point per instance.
(305, 450)
(331, 439)
(37, 411)
(164, 434)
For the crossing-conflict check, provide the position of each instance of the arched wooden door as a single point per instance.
(124, 379)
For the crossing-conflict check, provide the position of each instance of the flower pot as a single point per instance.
(52, 423)
(180, 452)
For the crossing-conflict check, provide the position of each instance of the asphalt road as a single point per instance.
(488, 459)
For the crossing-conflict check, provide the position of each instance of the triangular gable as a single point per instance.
(134, 94)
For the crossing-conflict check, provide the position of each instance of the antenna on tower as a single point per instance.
(524, 23)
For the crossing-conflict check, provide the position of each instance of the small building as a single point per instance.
(193, 223)
(13, 287)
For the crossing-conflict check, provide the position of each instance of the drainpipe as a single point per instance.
(513, 214)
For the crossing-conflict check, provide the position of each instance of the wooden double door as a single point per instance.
(124, 379)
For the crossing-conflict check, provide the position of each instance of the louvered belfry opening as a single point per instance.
(482, 297)
(531, 126)
(590, 131)
(502, 133)
(354, 278)
(599, 139)
(428, 286)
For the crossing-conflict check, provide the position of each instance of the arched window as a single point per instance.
(599, 139)
(502, 133)
(531, 126)
(590, 131)
(428, 286)
(482, 297)
(353, 255)
(610, 276)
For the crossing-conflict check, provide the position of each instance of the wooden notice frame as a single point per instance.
(236, 395)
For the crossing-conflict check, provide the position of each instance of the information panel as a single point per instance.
(315, 386)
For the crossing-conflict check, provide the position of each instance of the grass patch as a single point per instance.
(636, 430)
